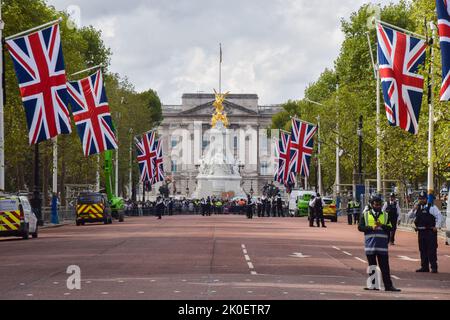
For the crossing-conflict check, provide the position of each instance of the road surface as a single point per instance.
(209, 258)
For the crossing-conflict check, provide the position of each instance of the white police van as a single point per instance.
(16, 217)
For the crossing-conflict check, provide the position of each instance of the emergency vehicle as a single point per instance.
(16, 217)
(92, 207)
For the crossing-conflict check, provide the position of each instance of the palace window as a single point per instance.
(264, 168)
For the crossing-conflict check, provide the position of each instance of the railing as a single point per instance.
(407, 222)
(64, 215)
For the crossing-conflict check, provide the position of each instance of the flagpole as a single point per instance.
(338, 172)
(220, 71)
(97, 175)
(431, 122)
(318, 156)
(2, 129)
(86, 70)
(401, 29)
(377, 77)
(17, 35)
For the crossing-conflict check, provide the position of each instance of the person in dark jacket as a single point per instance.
(317, 205)
(160, 207)
(249, 207)
(393, 209)
(376, 227)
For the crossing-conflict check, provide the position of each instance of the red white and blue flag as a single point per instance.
(146, 155)
(400, 57)
(443, 12)
(39, 65)
(283, 174)
(92, 115)
(158, 164)
(301, 147)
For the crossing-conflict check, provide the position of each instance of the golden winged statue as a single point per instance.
(219, 115)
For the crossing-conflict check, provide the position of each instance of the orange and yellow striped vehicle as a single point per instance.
(92, 207)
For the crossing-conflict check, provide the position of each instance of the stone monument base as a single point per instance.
(209, 186)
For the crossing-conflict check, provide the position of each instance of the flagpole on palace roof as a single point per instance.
(220, 70)
(2, 130)
(26, 32)
(431, 120)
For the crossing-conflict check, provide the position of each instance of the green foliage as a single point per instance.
(133, 113)
(404, 156)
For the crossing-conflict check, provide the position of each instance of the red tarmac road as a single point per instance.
(208, 258)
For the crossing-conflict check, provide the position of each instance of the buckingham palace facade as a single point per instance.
(184, 132)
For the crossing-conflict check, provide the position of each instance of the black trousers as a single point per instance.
(350, 218)
(382, 261)
(428, 249)
(320, 218)
(393, 231)
(356, 217)
(312, 216)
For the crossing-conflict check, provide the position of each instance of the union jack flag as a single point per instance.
(158, 164)
(146, 154)
(443, 12)
(39, 65)
(283, 174)
(91, 114)
(400, 57)
(301, 147)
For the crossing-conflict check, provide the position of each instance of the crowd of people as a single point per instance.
(250, 206)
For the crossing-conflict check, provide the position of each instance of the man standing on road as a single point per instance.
(393, 210)
(311, 211)
(317, 205)
(160, 207)
(428, 220)
(376, 227)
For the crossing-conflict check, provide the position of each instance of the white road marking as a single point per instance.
(447, 256)
(395, 277)
(347, 253)
(249, 291)
(250, 265)
(249, 261)
(141, 292)
(152, 280)
(105, 293)
(22, 284)
(359, 259)
(311, 281)
(406, 258)
(120, 281)
(67, 294)
(322, 294)
(177, 291)
(245, 251)
(213, 291)
(29, 294)
(285, 292)
(55, 282)
(336, 248)
(243, 246)
(88, 281)
(247, 257)
(184, 280)
(299, 255)
(216, 280)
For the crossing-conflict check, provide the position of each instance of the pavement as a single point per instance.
(211, 258)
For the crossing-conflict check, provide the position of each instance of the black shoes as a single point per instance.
(392, 289)
(324, 226)
(422, 270)
(434, 271)
(371, 289)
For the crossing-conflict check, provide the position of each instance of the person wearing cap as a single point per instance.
(427, 219)
(376, 227)
(393, 209)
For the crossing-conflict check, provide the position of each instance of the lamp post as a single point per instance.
(130, 178)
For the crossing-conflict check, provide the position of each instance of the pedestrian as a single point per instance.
(203, 206)
(393, 210)
(249, 207)
(160, 207)
(280, 206)
(428, 220)
(170, 207)
(350, 205)
(318, 205)
(311, 214)
(259, 207)
(356, 211)
(376, 227)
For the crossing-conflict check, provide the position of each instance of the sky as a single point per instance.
(273, 48)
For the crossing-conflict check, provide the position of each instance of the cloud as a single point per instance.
(274, 48)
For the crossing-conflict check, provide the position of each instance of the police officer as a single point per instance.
(376, 227)
(311, 211)
(350, 206)
(249, 207)
(280, 206)
(428, 220)
(317, 204)
(356, 211)
(393, 209)
(160, 207)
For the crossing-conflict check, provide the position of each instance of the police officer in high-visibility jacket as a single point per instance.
(428, 220)
(376, 227)
(393, 209)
